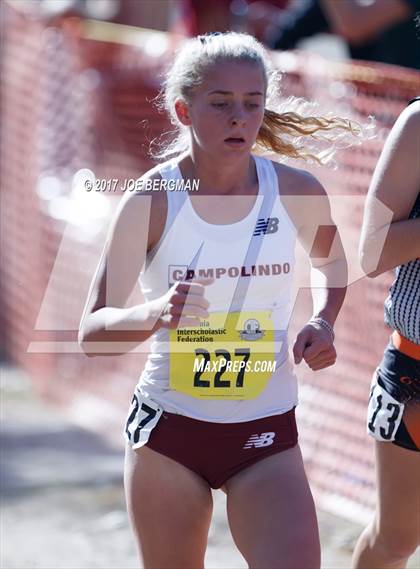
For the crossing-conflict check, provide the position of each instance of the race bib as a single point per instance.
(142, 418)
(384, 413)
(229, 356)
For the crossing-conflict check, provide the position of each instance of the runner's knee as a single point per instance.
(296, 546)
(300, 555)
(396, 545)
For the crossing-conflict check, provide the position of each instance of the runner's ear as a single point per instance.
(182, 112)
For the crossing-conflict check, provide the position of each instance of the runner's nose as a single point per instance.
(238, 116)
(236, 120)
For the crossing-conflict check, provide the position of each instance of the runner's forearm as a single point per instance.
(361, 22)
(327, 303)
(119, 328)
(329, 285)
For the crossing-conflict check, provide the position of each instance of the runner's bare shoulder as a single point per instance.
(295, 181)
(302, 195)
(395, 182)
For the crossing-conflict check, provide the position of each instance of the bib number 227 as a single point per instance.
(220, 367)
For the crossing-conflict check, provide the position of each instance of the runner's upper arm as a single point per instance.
(303, 196)
(396, 180)
(137, 226)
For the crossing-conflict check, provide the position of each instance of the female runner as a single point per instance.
(394, 405)
(214, 407)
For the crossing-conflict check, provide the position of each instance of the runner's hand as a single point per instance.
(184, 304)
(315, 345)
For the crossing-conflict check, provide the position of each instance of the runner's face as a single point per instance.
(227, 109)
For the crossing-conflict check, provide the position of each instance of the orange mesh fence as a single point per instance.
(78, 95)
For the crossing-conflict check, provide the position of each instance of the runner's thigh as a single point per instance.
(272, 515)
(170, 509)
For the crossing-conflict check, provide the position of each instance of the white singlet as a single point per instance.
(191, 244)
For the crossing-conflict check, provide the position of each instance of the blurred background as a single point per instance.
(78, 79)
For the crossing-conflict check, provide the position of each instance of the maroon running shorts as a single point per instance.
(217, 451)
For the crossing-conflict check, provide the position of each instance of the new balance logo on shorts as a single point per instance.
(265, 226)
(257, 441)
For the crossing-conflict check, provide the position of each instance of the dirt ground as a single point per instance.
(62, 498)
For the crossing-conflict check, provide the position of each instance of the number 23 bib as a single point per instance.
(229, 356)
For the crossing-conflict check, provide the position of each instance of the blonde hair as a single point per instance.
(284, 130)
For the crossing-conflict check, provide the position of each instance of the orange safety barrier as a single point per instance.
(76, 96)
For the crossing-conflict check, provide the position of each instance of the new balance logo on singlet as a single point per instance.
(266, 226)
(257, 441)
